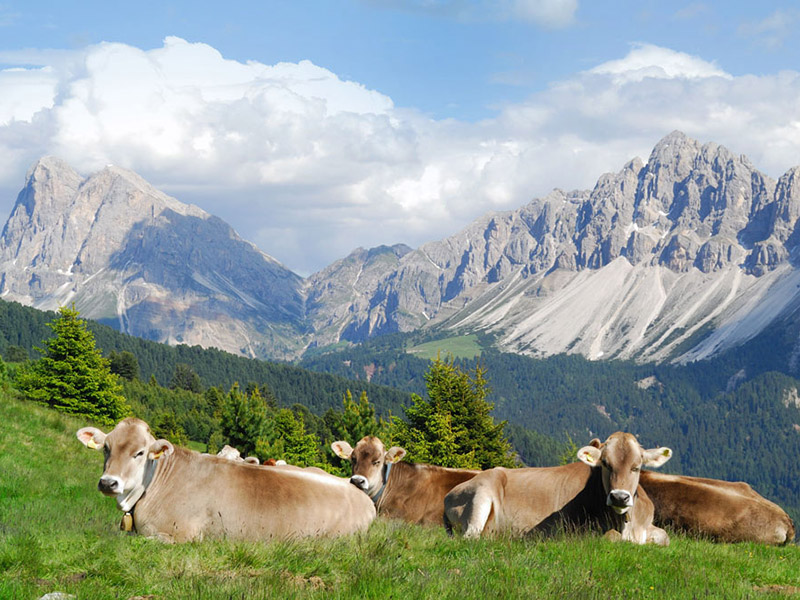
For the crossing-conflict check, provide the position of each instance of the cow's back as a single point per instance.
(721, 510)
(415, 492)
(194, 496)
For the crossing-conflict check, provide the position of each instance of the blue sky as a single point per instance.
(316, 127)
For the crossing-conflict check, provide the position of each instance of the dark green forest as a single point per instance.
(25, 328)
(736, 417)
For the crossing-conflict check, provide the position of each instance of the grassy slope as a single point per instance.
(464, 346)
(58, 533)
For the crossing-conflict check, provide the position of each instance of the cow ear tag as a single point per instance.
(92, 444)
(587, 456)
(156, 455)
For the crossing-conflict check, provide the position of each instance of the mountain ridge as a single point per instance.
(676, 258)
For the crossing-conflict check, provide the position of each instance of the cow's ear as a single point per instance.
(655, 457)
(596, 443)
(159, 449)
(91, 437)
(342, 449)
(589, 455)
(395, 454)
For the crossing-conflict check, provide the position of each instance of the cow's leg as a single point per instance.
(476, 513)
(613, 535)
(656, 535)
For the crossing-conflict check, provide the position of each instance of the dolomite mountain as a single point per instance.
(134, 258)
(678, 259)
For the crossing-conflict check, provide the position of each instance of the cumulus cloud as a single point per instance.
(309, 166)
(647, 60)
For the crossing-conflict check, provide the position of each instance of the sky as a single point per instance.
(315, 127)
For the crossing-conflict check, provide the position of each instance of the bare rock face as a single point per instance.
(697, 228)
(130, 255)
(677, 258)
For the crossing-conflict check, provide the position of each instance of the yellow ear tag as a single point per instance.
(667, 452)
(588, 457)
(92, 444)
(156, 455)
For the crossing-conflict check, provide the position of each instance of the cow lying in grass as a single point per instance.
(719, 510)
(179, 495)
(601, 491)
(400, 490)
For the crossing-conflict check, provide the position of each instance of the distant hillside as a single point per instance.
(27, 327)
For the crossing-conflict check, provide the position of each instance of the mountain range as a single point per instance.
(675, 259)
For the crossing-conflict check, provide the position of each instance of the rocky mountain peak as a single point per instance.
(131, 255)
(652, 255)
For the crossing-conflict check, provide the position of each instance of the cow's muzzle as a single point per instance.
(360, 482)
(620, 501)
(110, 485)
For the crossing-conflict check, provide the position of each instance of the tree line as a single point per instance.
(452, 427)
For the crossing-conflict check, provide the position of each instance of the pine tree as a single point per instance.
(166, 426)
(357, 420)
(299, 447)
(125, 364)
(185, 378)
(244, 420)
(453, 427)
(15, 353)
(73, 376)
(569, 453)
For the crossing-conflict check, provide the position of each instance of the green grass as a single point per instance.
(57, 533)
(462, 346)
(197, 446)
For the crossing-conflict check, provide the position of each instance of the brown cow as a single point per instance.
(721, 510)
(400, 490)
(178, 495)
(600, 491)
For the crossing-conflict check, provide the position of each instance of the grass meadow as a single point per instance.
(461, 346)
(57, 533)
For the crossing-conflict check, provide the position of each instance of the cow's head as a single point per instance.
(621, 458)
(131, 453)
(369, 459)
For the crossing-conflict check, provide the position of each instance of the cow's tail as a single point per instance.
(448, 525)
(790, 532)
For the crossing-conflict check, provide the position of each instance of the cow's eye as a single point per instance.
(635, 469)
(138, 454)
(375, 463)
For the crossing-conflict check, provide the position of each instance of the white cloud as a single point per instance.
(26, 91)
(309, 166)
(649, 61)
